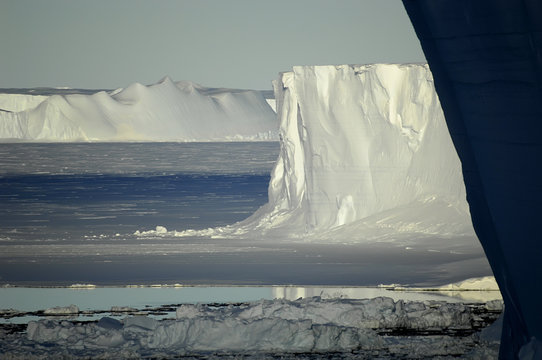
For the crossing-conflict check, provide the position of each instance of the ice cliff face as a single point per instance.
(358, 141)
(165, 111)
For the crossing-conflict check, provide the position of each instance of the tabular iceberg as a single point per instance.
(363, 142)
(165, 111)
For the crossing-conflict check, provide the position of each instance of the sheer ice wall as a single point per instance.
(357, 141)
(165, 111)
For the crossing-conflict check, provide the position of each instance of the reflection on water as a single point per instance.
(161, 302)
(103, 298)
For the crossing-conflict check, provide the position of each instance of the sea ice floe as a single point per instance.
(312, 325)
(62, 310)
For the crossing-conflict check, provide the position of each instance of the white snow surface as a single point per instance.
(20, 102)
(165, 111)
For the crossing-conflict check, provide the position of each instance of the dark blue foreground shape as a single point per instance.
(486, 59)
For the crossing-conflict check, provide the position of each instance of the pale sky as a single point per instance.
(217, 43)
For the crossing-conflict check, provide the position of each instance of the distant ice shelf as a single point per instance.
(165, 111)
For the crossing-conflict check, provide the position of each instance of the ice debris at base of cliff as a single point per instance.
(165, 111)
(365, 156)
(358, 141)
(357, 328)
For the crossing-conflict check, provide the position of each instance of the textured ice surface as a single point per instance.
(360, 140)
(358, 328)
(19, 102)
(165, 111)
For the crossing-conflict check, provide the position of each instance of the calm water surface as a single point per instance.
(98, 194)
(62, 192)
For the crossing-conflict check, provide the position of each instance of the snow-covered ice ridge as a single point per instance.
(165, 111)
(361, 328)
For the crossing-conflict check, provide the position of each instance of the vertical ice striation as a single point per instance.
(357, 141)
(486, 57)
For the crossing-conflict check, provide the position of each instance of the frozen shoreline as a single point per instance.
(165, 111)
(317, 327)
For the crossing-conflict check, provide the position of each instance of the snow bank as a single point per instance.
(279, 326)
(165, 111)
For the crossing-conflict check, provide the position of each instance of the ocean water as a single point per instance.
(63, 203)
(54, 192)
(68, 224)
(70, 213)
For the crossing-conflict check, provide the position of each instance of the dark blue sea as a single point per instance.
(94, 194)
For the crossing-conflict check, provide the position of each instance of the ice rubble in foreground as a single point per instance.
(313, 325)
(165, 111)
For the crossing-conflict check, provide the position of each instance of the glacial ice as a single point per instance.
(165, 111)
